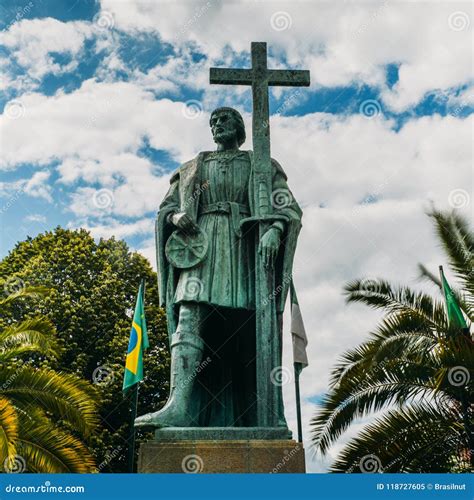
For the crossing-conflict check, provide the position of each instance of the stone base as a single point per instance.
(221, 433)
(225, 456)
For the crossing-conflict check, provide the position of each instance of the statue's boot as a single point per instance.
(186, 355)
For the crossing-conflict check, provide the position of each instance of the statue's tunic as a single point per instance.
(225, 277)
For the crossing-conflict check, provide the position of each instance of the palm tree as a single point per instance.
(43, 413)
(416, 366)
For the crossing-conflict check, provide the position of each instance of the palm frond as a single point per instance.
(63, 395)
(32, 335)
(27, 292)
(457, 240)
(8, 430)
(418, 438)
(339, 411)
(402, 300)
(396, 335)
(45, 447)
(426, 274)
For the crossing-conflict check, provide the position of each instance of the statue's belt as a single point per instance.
(236, 210)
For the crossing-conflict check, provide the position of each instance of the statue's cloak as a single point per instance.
(183, 196)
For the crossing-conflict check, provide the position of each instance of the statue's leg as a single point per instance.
(186, 355)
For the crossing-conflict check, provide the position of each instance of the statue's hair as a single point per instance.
(239, 120)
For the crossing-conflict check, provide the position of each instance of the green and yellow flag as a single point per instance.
(137, 344)
(455, 316)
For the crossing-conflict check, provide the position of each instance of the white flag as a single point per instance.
(300, 341)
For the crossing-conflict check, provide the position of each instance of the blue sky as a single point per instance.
(103, 99)
(144, 51)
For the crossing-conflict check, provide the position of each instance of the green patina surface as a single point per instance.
(226, 237)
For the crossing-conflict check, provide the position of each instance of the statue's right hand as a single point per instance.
(183, 222)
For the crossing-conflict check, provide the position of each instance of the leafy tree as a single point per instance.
(415, 365)
(43, 413)
(94, 287)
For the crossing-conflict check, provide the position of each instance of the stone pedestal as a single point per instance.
(222, 456)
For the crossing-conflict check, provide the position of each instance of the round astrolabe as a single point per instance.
(185, 250)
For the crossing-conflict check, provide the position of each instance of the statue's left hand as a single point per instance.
(268, 246)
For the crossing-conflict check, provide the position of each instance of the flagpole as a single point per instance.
(298, 401)
(134, 406)
(441, 274)
(131, 446)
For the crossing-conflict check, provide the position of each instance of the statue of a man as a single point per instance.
(206, 272)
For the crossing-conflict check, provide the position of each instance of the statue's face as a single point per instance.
(223, 127)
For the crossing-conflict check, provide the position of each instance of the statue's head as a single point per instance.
(226, 125)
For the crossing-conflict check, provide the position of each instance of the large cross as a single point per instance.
(259, 77)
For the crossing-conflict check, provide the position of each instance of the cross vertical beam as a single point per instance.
(259, 77)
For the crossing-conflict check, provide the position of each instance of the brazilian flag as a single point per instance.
(137, 344)
(455, 316)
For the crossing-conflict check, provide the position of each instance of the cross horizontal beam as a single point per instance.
(288, 77)
(241, 76)
(230, 76)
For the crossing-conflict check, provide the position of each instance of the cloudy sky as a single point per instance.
(103, 99)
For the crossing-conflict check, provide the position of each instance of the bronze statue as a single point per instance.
(226, 236)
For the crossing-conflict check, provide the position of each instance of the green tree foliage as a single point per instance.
(93, 292)
(44, 414)
(416, 366)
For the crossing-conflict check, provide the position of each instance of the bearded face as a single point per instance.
(223, 128)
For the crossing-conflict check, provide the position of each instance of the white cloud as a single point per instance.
(96, 121)
(110, 227)
(334, 40)
(35, 218)
(137, 192)
(37, 186)
(33, 43)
